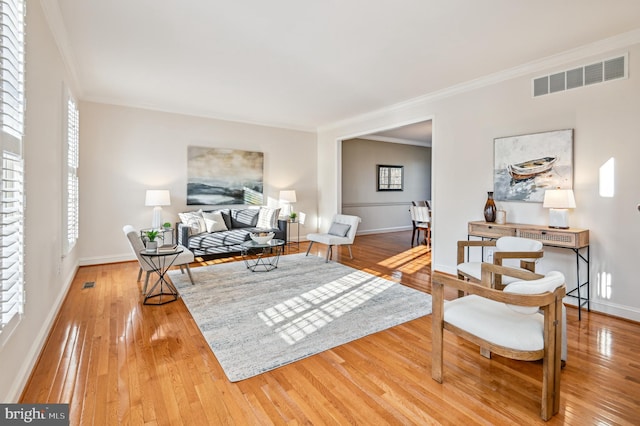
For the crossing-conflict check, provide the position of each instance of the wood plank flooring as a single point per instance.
(116, 361)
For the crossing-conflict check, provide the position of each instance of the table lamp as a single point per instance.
(287, 197)
(558, 201)
(157, 198)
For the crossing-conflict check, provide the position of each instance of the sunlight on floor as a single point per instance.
(306, 313)
(409, 261)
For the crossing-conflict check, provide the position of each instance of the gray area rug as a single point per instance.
(258, 321)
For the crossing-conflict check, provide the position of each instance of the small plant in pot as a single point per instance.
(293, 216)
(166, 225)
(152, 244)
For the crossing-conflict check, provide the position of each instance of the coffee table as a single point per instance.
(262, 257)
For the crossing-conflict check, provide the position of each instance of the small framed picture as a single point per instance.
(390, 178)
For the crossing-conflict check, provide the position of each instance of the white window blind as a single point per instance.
(12, 18)
(72, 195)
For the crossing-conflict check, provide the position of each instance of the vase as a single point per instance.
(490, 208)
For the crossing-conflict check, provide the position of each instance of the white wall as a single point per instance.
(605, 119)
(47, 273)
(383, 211)
(125, 151)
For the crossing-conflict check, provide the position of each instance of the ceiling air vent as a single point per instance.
(598, 72)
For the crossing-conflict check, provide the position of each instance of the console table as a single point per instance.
(576, 240)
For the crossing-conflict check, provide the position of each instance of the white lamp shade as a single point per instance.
(559, 199)
(157, 197)
(288, 196)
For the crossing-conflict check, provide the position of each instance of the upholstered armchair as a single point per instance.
(515, 252)
(342, 232)
(137, 246)
(522, 322)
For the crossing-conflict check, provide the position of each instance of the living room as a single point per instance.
(127, 149)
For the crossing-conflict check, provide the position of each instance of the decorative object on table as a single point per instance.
(390, 178)
(224, 176)
(166, 225)
(490, 208)
(157, 198)
(558, 201)
(253, 325)
(287, 198)
(525, 165)
(151, 244)
(501, 217)
(262, 237)
(293, 216)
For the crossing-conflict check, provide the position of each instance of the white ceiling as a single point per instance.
(307, 64)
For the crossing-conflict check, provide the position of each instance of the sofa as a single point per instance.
(221, 232)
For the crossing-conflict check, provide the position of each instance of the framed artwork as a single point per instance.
(526, 166)
(220, 176)
(390, 178)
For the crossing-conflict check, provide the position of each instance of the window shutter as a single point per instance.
(12, 19)
(72, 196)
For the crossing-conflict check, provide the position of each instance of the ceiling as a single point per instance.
(307, 64)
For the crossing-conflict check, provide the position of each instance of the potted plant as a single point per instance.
(166, 225)
(151, 235)
(293, 216)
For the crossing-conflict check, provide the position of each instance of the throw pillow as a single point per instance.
(268, 218)
(339, 229)
(194, 220)
(214, 221)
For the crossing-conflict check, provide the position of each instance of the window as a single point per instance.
(72, 199)
(12, 13)
(390, 178)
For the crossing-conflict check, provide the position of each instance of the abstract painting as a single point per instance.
(526, 166)
(221, 176)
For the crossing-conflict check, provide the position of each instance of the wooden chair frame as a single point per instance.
(498, 257)
(549, 303)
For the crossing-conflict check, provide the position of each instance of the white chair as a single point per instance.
(341, 232)
(137, 246)
(515, 252)
(421, 218)
(523, 322)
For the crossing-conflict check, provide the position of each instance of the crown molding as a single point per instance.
(53, 16)
(396, 140)
(580, 53)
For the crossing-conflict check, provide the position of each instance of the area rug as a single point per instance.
(258, 321)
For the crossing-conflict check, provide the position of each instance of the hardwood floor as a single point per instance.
(119, 362)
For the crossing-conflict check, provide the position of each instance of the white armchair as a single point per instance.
(515, 252)
(523, 322)
(137, 246)
(341, 232)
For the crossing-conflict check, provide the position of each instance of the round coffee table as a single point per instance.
(262, 257)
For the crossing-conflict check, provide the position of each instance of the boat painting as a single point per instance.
(531, 168)
(525, 166)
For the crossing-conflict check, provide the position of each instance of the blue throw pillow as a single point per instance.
(339, 229)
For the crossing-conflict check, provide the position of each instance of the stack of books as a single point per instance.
(167, 248)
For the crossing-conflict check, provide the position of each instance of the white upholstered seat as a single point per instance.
(524, 322)
(341, 232)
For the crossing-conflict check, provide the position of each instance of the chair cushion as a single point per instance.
(328, 239)
(549, 283)
(496, 323)
(339, 229)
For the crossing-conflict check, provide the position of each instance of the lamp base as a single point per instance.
(559, 218)
(156, 222)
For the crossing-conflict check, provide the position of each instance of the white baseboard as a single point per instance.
(33, 354)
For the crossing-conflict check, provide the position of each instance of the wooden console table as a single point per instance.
(574, 239)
